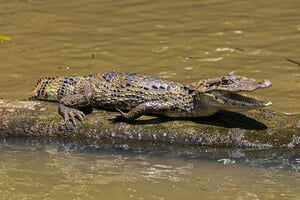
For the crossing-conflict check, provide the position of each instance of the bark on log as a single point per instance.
(257, 128)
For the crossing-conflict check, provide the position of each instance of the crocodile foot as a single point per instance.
(70, 115)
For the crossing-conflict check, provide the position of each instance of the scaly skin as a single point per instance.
(141, 95)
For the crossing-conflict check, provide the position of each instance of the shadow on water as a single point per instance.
(224, 119)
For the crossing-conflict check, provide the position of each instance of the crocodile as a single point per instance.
(134, 95)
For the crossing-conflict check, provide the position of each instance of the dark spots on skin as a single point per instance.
(51, 78)
(146, 88)
(154, 87)
(110, 76)
(88, 76)
(69, 80)
(41, 91)
(186, 88)
(226, 81)
(191, 91)
(132, 77)
(162, 88)
(62, 90)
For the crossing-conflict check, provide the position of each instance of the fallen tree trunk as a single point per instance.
(257, 129)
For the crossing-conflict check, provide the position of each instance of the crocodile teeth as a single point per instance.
(236, 99)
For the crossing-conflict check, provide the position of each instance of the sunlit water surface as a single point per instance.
(179, 40)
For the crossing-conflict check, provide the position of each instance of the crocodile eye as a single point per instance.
(227, 82)
(224, 80)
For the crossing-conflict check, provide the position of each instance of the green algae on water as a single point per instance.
(4, 38)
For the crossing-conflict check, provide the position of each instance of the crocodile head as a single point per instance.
(230, 82)
(223, 93)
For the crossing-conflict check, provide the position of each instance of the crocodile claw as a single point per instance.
(70, 114)
(119, 116)
(122, 116)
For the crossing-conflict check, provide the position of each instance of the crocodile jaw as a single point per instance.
(233, 101)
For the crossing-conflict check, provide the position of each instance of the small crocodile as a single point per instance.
(146, 95)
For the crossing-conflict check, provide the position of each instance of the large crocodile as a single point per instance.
(146, 95)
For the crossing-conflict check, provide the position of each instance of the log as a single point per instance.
(254, 129)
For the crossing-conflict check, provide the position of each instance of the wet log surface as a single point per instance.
(254, 129)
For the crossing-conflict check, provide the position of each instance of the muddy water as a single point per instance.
(33, 170)
(178, 40)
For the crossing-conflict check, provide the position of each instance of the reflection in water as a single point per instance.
(53, 170)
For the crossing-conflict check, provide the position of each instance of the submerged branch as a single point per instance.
(257, 128)
(293, 61)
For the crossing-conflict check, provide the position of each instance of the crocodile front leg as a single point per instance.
(69, 104)
(147, 108)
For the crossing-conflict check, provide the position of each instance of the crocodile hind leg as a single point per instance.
(147, 108)
(69, 104)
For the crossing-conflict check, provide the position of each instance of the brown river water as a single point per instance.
(182, 41)
(61, 170)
